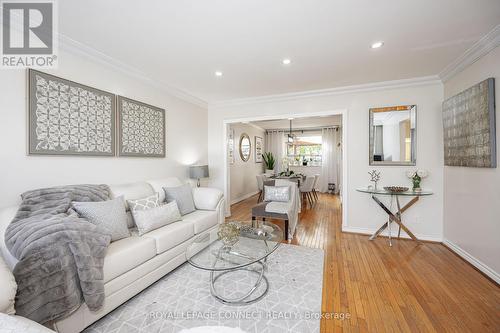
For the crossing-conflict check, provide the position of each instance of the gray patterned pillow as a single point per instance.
(277, 193)
(110, 214)
(157, 217)
(183, 195)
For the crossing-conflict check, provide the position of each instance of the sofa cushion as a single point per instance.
(171, 235)
(159, 184)
(21, 324)
(8, 288)
(183, 195)
(126, 254)
(201, 220)
(207, 198)
(131, 191)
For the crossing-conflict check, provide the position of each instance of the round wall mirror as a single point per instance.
(245, 147)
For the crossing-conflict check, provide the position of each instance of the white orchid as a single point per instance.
(421, 173)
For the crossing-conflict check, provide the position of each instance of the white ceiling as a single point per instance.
(182, 43)
(302, 123)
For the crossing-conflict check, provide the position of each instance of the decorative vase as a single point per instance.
(269, 171)
(416, 183)
(229, 234)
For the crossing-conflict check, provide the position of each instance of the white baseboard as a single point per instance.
(394, 233)
(495, 276)
(243, 197)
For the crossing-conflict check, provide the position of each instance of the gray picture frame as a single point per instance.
(41, 140)
(258, 149)
(469, 127)
(147, 144)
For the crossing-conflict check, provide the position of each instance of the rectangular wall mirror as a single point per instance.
(393, 132)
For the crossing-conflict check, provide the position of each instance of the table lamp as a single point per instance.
(198, 172)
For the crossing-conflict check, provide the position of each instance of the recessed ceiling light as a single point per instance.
(218, 73)
(376, 45)
(286, 61)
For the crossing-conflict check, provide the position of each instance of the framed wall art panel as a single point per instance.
(69, 118)
(469, 131)
(141, 129)
(258, 149)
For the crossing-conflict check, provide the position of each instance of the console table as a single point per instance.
(394, 217)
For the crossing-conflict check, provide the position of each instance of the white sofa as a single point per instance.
(132, 264)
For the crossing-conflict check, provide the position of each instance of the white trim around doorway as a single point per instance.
(342, 112)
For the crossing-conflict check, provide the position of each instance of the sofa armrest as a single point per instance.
(206, 198)
(8, 288)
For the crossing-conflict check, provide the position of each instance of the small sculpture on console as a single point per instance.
(374, 177)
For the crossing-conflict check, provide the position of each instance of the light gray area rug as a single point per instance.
(182, 299)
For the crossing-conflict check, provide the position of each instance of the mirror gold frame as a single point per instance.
(243, 157)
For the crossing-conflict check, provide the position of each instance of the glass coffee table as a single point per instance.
(255, 243)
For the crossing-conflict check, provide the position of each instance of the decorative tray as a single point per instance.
(396, 189)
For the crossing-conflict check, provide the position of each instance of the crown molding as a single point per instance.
(367, 87)
(482, 47)
(69, 45)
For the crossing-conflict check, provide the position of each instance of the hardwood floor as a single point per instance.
(406, 288)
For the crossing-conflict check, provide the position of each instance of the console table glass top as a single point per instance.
(408, 193)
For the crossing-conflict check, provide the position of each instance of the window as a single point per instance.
(305, 151)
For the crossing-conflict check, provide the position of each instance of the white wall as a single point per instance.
(472, 195)
(186, 135)
(243, 182)
(426, 217)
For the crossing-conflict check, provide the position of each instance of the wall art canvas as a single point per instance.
(230, 146)
(141, 129)
(469, 127)
(258, 149)
(68, 118)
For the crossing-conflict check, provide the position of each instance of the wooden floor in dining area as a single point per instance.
(406, 288)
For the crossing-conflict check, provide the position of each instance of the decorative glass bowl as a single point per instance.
(229, 234)
(396, 189)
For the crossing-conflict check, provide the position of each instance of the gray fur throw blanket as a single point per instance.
(61, 256)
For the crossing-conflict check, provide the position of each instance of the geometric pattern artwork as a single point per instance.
(469, 127)
(182, 299)
(141, 129)
(68, 118)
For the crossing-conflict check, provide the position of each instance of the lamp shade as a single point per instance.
(198, 171)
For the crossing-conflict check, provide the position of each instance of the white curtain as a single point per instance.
(275, 143)
(331, 159)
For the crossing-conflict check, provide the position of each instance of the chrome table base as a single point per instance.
(394, 217)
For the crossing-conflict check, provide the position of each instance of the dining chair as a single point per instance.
(260, 186)
(315, 193)
(306, 189)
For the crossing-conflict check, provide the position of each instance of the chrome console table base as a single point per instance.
(395, 217)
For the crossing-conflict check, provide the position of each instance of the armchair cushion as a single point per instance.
(206, 198)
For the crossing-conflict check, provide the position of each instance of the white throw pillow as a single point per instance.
(277, 193)
(154, 218)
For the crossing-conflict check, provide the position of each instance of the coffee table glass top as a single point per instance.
(382, 191)
(254, 244)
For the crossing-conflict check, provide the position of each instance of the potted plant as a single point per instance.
(269, 161)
